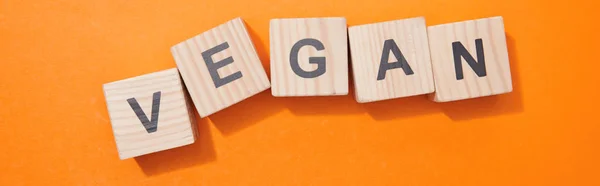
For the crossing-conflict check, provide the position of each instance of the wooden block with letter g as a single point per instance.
(470, 59)
(150, 113)
(220, 67)
(390, 59)
(309, 56)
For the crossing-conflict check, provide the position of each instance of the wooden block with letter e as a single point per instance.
(150, 113)
(470, 59)
(309, 56)
(390, 59)
(220, 67)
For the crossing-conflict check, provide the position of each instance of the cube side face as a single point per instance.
(309, 57)
(379, 78)
(465, 41)
(220, 67)
(161, 90)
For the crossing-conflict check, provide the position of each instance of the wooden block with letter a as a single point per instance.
(309, 56)
(390, 59)
(220, 67)
(150, 113)
(470, 59)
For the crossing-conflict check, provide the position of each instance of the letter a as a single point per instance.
(390, 46)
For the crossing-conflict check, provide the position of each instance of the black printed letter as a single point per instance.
(478, 66)
(320, 61)
(214, 66)
(390, 46)
(152, 125)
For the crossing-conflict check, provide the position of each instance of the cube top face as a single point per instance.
(220, 67)
(391, 60)
(158, 99)
(470, 59)
(309, 57)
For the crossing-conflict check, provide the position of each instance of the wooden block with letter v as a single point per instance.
(390, 59)
(309, 56)
(470, 59)
(150, 113)
(220, 67)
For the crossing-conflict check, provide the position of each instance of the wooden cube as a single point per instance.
(149, 113)
(390, 59)
(470, 59)
(220, 67)
(309, 57)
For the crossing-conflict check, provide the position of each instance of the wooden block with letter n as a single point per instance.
(220, 67)
(390, 59)
(470, 59)
(309, 57)
(150, 113)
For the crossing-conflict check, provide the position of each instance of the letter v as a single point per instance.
(152, 125)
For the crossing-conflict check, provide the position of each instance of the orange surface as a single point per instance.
(54, 126)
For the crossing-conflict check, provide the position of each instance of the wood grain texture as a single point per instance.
(207, 98)
(175, 127)
(367, 44)
(332, 33)
(498, 78)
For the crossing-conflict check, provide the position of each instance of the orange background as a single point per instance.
(56, 55)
